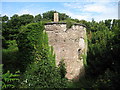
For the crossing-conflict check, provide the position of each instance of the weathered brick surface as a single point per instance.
(68, 44)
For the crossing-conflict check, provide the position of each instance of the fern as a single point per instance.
(8, 79)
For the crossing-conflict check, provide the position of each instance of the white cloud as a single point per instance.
(24, 11)
(94, 8)
(73, 5)
(31, 11)
(76, 16)
(97, 10)
(82, 16)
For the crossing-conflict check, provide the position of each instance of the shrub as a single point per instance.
(37, 59)
(10, 80)
(10, 59)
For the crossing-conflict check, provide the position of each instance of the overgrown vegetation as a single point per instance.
(25, 48)
(39, 64)
(10, 80)
(103, 54)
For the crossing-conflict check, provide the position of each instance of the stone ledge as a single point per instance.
(51, 23)
(80, 24)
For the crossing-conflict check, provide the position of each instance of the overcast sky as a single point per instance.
(87, 9)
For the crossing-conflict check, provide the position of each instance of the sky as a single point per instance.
(86, 9)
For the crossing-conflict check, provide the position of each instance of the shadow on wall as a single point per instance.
(81, 75)
(81, 81)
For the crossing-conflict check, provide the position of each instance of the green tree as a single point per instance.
(4, 31)
(108, 23)
(63, 16)
(38, 18)
(11, 27)
(102, 57)
(26, 19)
(98, 48)
(38, 59)
(5, 18)
(49, 15)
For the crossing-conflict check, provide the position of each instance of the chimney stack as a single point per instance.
(56, 18)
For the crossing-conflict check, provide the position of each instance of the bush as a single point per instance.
(42, 75)
(10, 80)
(29, 41)
(10, 59)
(38, 60)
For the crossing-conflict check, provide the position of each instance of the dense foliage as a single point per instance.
(10, 80)
(37, 57)
(25, 48)
(103, 54)
(50, 15)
